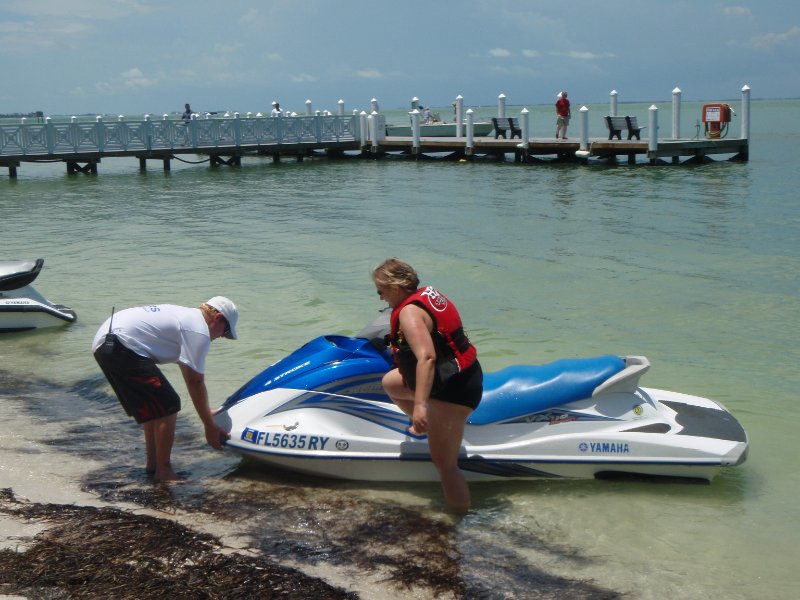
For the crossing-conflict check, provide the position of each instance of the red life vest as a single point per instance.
(454, 352)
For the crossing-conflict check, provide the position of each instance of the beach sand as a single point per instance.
(72, 526)
(59, 541)
(79, 518)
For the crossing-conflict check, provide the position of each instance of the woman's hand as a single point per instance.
(419, 420)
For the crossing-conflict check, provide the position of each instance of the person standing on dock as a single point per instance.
(277, 111)
(131, 344)
(187, 112)
(563, 115)
(438, 380)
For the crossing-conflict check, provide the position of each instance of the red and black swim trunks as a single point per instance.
(141, 387)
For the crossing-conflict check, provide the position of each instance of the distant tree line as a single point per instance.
(36, 114)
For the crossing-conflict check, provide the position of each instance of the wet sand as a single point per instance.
(59, 541)
(80, 519)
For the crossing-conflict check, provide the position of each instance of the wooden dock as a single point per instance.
(536, 150)
(224, 141)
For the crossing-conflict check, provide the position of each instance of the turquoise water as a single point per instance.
(695, 267)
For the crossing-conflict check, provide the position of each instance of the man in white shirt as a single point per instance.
(277, 111)
(129, 346)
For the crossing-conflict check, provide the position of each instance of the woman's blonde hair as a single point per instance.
(394, 271)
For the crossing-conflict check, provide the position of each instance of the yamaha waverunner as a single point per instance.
(322, 411)
(21, 306)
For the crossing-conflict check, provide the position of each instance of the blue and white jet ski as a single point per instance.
(322, 411)
(21, 306)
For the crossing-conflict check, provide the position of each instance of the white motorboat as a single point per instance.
(439, 130)
(21, 306)
(322, 411)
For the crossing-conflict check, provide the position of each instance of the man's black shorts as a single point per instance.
(141, 387)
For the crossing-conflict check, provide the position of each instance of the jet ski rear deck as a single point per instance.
(21, 306)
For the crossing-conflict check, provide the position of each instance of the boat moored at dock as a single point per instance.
(438, 130)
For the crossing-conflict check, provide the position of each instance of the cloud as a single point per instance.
(770, 40)
(72, 29)
(83, 9)
(249, 17)
(302, 78)
(584, 55)
(737, 11)
(369, 74)
(21, 37)
(513, 71)
(132, 79)
(229, 48)
(531, 53)
(499, 53)
(16, 27)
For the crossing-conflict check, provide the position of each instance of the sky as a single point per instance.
(152, 56)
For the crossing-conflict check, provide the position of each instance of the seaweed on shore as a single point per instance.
(417, 552)
(93, 552)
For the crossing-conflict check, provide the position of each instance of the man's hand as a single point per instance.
(216, 436)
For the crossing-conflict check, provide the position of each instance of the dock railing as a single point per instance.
(123, 136)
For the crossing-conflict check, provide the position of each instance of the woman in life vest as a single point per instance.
(438, 380)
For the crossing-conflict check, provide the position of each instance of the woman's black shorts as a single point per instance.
(465, 388)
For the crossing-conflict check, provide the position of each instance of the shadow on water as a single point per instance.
(305, 521)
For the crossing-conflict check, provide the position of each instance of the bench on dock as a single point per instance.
(616, 124)
(501, 125)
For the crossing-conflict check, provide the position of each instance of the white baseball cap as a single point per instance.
(229, 311)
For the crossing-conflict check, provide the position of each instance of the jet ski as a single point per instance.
(322, 411)
(21, 306)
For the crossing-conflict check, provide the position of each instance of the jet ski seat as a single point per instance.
(521, 390)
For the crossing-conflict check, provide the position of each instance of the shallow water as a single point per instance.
(693, 266)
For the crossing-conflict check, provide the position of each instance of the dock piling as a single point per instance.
(525, 127)
(584, 141)
(652, 145)
(676, 113)
(415, 133)
(459, 115)
(363, 131)
(470, 132)
(745, 135)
